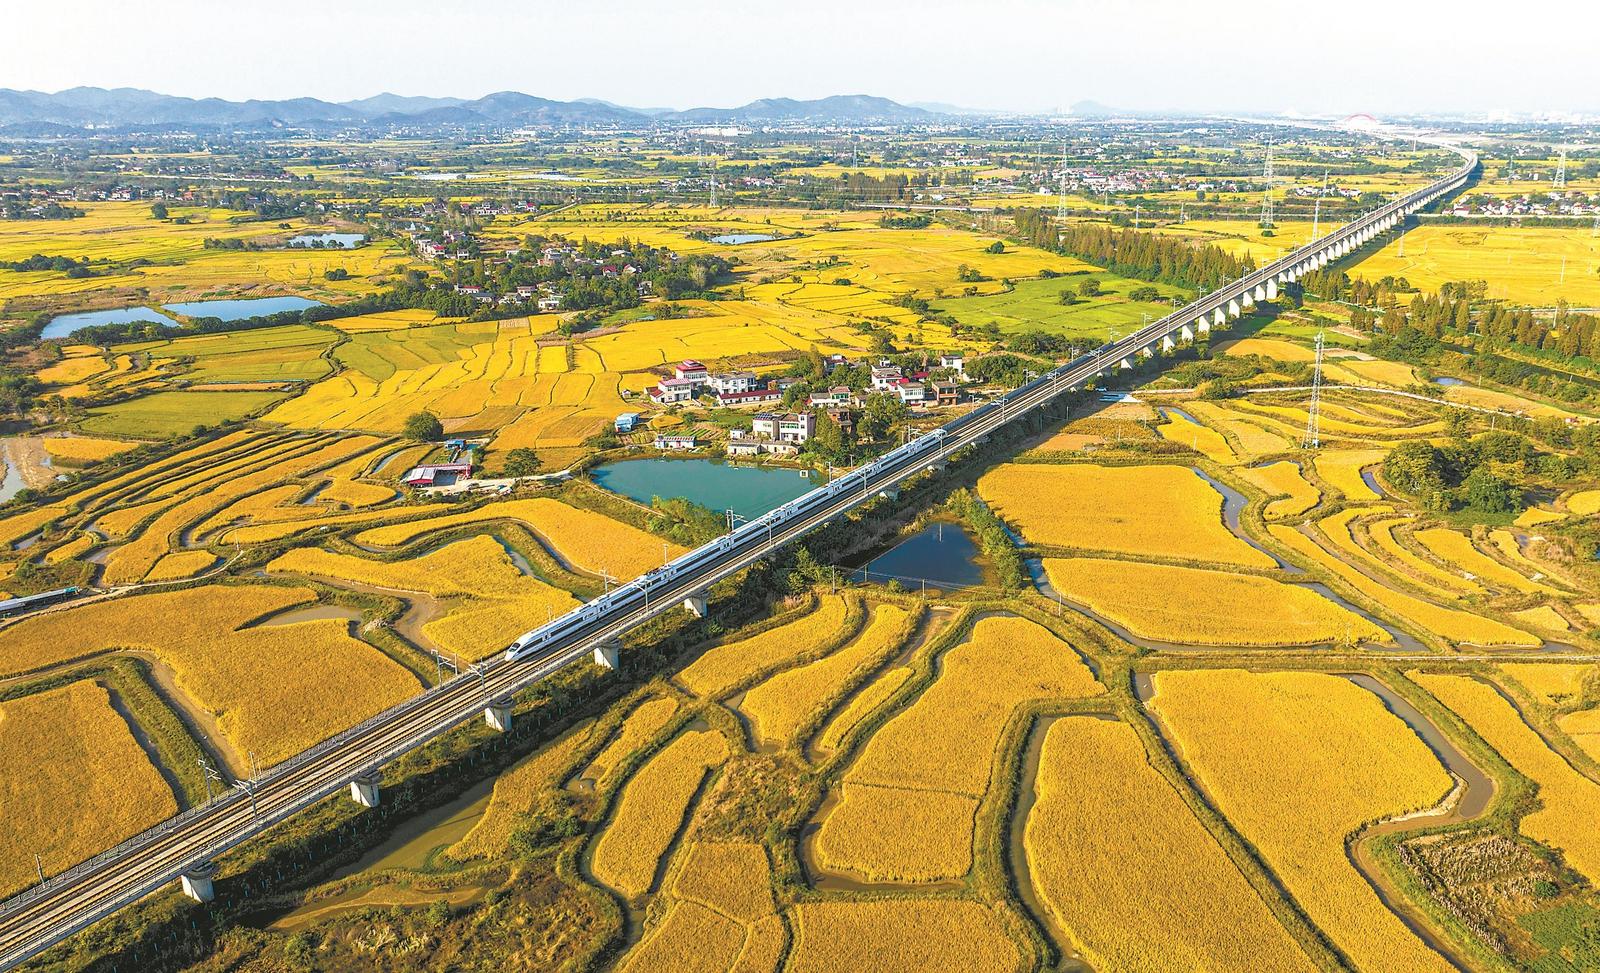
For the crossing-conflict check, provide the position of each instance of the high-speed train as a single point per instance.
(541, 639)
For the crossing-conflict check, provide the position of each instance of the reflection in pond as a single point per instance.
(942, 554)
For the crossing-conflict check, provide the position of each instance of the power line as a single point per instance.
(1266, 197)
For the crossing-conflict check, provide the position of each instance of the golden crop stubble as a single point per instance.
(1297, 761)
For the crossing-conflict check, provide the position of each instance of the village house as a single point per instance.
(733, 382)
(672, 441)
(673, 390)
(946, 393)
(836, 397)
(884, 376)
(909, 392)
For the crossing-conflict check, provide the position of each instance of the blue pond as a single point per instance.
(65, 324)
(734, 239)
(748, 491)
(239, 310)
(942, 554)
(1447, 381)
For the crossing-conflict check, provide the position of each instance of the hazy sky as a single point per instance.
(1281, 55)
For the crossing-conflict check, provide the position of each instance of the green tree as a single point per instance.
(158, 211)
(1490, 493)
(521, 461)
(1089, 287)
(424, 427)
(997, 247)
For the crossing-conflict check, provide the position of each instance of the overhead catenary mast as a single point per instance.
(1313, 438)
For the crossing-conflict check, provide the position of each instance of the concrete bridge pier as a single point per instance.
(498, 714)
(364, 789)
(1219, 318)
(1186, 333)
(938, 466)
(890, 493)
(1260, 293)
(1202, 324)
(696, 605)
(196, 882)
(1148, 351)
(1167, 344)
(1125, 364)
(1270, 289)
(1234, 308)
(605, 654)
(1247, 300)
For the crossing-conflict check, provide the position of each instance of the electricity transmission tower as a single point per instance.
(1266, 197)
(1316, 210)
(1061, 198)
(713, 181)
(1313, 438)
(1561, 170)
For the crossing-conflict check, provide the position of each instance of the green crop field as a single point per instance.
(1036, 305)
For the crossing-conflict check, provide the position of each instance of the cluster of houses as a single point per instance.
(1549, 204)
(783, 433)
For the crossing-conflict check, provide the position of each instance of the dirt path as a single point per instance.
(27, 456)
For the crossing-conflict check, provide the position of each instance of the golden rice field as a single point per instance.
(180, 266)
(517, 793)
(1457, 548)
(689, 937)
(1129, 873)
(1167, 511)
(63, 749)
(1583, 727)
(779, 707)
(1298, 761)
(1566, 817)
(899, 936)
(1383, 536)
(639, 728)
(1251, 439)
(734, 879)
(1202, 439)
(275, 689)
(130, 562)
(1452, 624)
(493, 602)
(860, 706)
(589, 541)
(181, 564)
(1341, 470)
(1535, 265)
(723, 668)
(82, 450)
(651, 811)
(1291, 494)
(1553, 683)
(944, 742)
(1583, 503)
(1177, 605)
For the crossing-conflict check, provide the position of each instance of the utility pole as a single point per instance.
(1313, 438)
(1561, 171)
(1316, 210)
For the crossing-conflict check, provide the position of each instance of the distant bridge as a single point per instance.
(184, 846)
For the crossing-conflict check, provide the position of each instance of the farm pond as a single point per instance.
(748, 491)
(236, 310)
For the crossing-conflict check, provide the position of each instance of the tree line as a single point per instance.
(1133, 253)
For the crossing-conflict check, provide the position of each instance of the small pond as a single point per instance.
(329, 241)
(734, 239)
(65, 324)
(748, 491)
(238, 310)
(1447, 381)
(942, 554)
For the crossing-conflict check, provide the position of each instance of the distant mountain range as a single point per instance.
(137, 109)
